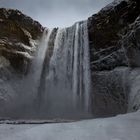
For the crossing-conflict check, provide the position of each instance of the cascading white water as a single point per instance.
(81, 71)
(64, 90)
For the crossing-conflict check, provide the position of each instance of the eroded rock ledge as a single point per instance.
(18, 33)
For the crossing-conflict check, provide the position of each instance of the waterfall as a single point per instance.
(64, 85)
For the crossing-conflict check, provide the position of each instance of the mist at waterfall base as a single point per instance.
(57, 85)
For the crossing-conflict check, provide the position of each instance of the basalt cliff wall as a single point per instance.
(114, 50)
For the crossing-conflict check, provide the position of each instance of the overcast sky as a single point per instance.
(56, 13)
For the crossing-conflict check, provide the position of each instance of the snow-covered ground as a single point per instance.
(122, 127)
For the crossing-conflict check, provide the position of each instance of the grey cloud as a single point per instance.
(52, 13)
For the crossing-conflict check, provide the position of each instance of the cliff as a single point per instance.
(114, 48)
(18, 33)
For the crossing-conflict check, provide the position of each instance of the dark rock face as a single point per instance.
(131, 44)
(17, 35)
(105, 32)
(114, 35)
